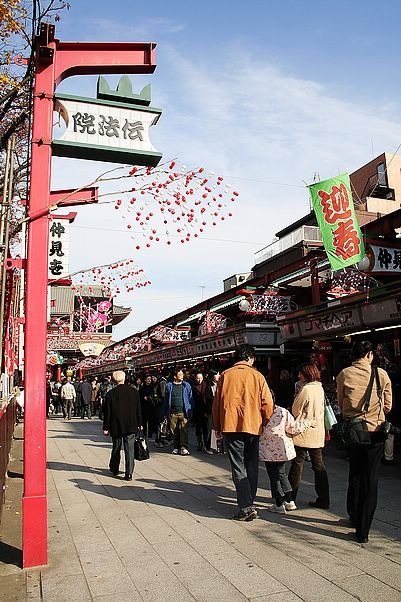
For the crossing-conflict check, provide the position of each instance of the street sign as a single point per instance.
(114, 127)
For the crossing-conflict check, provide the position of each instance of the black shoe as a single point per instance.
(246, 516)
(317, 504)
(360, 538)
(128, 477)
(115, 474)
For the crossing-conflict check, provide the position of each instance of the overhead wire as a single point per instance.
(244, 242)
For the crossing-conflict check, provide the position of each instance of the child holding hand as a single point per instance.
(275, 449)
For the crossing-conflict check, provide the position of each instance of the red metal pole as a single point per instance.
(34, 503)
(54, 61)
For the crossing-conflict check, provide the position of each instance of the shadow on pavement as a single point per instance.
(10, 554)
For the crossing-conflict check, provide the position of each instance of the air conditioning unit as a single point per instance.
(236, 280)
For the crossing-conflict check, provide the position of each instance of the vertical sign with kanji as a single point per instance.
(58, 249)
(335, 214)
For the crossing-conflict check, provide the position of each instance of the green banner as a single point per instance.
(335, 214)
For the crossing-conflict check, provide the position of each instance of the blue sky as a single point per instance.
(260, 92)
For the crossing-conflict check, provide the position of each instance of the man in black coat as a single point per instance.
(86, 396)
(122, 418)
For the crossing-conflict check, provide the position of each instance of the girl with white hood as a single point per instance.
(275, 449)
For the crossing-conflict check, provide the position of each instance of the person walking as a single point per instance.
(199, 414)
(67, 394)
(364, 391)
(122, 419)
(242, 405)
(210, 391)
(285, 390)
(104, 388)
(86, 399)
(77, 383)
(177, 409)
(149, 402)
(309, 405)
(276, 448)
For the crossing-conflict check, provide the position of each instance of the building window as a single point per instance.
(381, 176)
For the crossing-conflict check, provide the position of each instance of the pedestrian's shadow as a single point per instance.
(10, 554)
(64, 466)
(194, 498)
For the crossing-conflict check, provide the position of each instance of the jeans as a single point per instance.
(128, 442)
(179, 429)
(318, 467)
(364, 466)
(243, 452)
(279, 483)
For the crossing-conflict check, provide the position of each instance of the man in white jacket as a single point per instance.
(68, 396)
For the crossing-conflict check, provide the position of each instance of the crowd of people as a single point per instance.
(235, 412)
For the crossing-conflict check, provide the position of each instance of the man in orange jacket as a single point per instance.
(242, 405)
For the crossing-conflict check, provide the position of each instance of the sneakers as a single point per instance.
(290, 506)
(175, 451)
(184, 451)
(246, 515)
(278, 509)
(208, 451)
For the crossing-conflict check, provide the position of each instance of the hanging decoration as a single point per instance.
(92, 314)
(212, 322)
(172, 202)
(347, 282)
(115, 277)
(269, 304)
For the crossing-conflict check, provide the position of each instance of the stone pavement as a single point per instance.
(166, 535)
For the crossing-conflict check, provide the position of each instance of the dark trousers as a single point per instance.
(128, 442)
(86, 409)
(68, 406)
(203, 431)
(243, 452)
(318, 467)
(364, 465)
(149, 419)
(279, 483)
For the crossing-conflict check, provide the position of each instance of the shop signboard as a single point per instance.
(336, 320)
(91, 349)
(164, 334)
(59, 241)
(383, 259)
(384, 312)
(335, 214)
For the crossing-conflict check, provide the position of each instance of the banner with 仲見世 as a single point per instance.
(335, 214)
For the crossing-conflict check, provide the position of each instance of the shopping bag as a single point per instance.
(214, 442)
(141, 449)
(329, 417)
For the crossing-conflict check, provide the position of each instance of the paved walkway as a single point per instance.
(166, 535)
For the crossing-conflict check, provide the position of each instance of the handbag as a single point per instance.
(329, 417)
(354, 431)
(141, 449)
